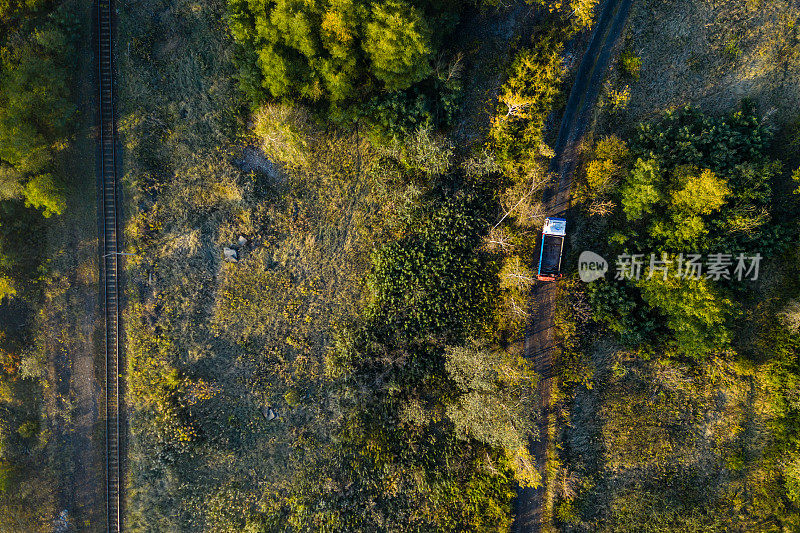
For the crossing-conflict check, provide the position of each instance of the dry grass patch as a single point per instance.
(713, 54)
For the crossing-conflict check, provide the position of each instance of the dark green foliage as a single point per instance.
(700, 185)
(688, 137)
(398, 114)
(336, 51)
(618, 305)
(18, 259)
(698, 410)
(718, 163)
(407, 460)
(435, 280)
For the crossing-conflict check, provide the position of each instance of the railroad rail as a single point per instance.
(111, 254)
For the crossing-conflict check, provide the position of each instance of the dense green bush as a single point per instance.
(712, 184)
(622, 310)
(692, 184)
(338, 50)
(630, 64)
(435, 280)
(393, 115)
(687, 136)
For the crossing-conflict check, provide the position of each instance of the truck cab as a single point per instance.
(553, 235)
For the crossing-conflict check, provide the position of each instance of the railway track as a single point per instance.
(110, 224)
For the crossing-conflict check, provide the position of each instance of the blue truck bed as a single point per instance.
(552, 247)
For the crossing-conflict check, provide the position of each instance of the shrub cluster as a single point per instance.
(689, 183)
(336, 51)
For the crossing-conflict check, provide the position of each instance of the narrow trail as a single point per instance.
(539, 344)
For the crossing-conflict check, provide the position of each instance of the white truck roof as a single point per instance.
(555, 226)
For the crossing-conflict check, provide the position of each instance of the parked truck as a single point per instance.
(553, 235)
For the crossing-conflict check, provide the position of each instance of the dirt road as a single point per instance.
(539, 338)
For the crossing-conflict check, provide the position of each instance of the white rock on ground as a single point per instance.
(231, 255)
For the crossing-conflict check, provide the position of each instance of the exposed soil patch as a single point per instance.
(254, 160)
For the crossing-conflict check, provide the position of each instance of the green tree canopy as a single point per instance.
(695, 312)
(495, 403)
(398, 44)
(35, 111)
(701, 192)
(333, 50)
(698, 185)
(525, 101)
(642, 189)
(42, 193)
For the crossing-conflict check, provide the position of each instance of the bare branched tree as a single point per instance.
(601, 208)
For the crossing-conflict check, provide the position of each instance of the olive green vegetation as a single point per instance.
(36, 108)
(36, 115)
(679, 412)
(534, 86)
(384, 63)
(424, 442)
(527, 97)
(37, 112)
(688, 184)
(347, 373)
(444, 411)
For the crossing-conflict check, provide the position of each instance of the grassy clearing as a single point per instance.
(669, 449)
(712, 54)
(218, 349)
